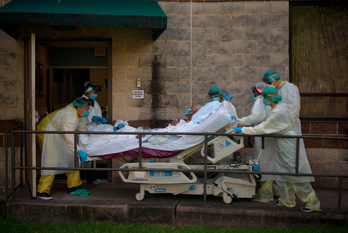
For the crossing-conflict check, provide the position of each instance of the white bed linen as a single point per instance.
(214, 122)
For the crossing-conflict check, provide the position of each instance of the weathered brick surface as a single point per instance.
(211, 74)
(330, 143)
(230, 7)
(342, 155)
(217, 21)
(315, 154)
(244, 21)
(230, 34)
(262, 34)
(7, 73)
(257, 7)
(305, 128)
(279, 60)
(324, 128)
(343, 128)
(204, 8)
(314, 143)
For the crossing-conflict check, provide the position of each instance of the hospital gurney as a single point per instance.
(221, 156)
(227, 185)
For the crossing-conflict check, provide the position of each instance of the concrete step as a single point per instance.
(116, 203)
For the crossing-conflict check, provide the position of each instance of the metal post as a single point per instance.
(75, 152)
(140, 151)
(12, 166)
(21, 157)
(340, 196)
(6, 167)
(205, 169)
(25, 157)
(297, 153)
(263, 143)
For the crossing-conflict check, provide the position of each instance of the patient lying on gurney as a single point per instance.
(174, 126)
(196, 114)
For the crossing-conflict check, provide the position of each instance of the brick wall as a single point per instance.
(233, 45)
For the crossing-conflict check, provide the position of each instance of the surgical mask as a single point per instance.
(94, 96)
(252, 96)
(188, 111)
(265, 103)
(85, 114)
(215, 99)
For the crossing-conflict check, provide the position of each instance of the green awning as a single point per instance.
(83, 13)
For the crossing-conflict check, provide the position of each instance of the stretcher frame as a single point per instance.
(225, 185)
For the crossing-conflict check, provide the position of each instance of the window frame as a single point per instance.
(313, 119)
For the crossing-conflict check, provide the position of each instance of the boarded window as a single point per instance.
(320, 60)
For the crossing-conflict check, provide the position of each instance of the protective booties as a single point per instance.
(99, 119)
(81, 192)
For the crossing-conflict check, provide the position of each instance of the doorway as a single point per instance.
(61, 69)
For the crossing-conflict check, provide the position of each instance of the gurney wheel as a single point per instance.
(139, 197)
(227, 199)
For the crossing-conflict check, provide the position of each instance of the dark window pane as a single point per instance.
(324, 107)
(320, 49)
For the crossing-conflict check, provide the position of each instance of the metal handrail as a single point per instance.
(6, 159)
(205, 170)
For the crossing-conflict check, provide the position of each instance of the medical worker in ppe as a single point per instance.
(94, 118)
(216, 94)
(291, 97)
(58, 149)
(281, 122)
(95, 113)
(259, 113)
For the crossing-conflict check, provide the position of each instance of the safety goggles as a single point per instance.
(257, 89)
(270, 78)
(268, 95)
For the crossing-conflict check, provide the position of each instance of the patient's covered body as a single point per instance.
(210, 118)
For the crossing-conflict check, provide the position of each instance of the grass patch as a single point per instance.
(14, 225)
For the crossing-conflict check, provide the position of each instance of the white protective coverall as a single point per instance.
(231, 109)
(280, 122)
(58, 149)
(259, 113)
(291, 96)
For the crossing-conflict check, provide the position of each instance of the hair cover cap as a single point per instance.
(91, 87)
(215, 91)
(82, 101)
(260, 87)
(270, 76)
(271, 94)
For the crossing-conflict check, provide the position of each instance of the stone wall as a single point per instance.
(233, 45)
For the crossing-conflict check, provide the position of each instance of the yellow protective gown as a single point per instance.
(58, 149)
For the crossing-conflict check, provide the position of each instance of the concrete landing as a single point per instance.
(116, 203)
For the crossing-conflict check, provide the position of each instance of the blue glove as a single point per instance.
(237, 129)
(120, 126)
(233, 118)
(83, 155)
(228, 97)
(99, 119)
(115, 129)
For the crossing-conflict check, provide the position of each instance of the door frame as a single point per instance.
(29, 120)
(109, 64)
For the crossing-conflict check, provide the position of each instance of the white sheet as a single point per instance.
(218, 119)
